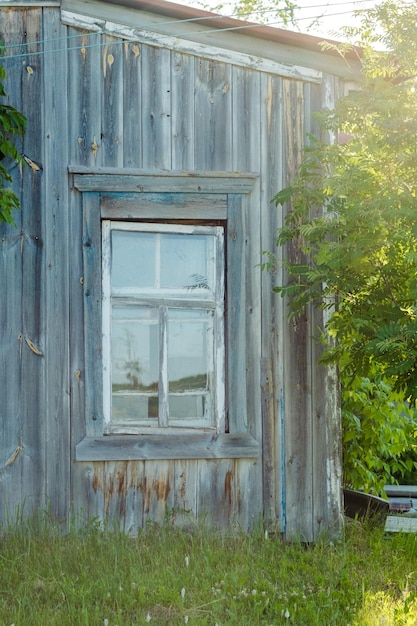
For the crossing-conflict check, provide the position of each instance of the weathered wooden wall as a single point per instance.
(94, 100)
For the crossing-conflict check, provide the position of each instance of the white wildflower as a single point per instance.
(187, 561)
(106, 621)
(183, 592)
(286, 614)
(148, 618)
(186, 619)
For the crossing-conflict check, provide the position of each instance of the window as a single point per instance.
(166, 375)
(163, 326)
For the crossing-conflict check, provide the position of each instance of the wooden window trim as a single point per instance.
(127, 194)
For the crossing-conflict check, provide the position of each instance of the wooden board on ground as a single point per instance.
(400, 524)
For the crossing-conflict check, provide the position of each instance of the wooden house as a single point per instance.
(147, 368)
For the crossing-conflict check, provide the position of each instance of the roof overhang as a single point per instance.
(183, 23)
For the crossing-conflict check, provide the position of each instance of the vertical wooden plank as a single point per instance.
(185, 493)
(326, 419)
(132, 104)
(246, 120)
(55, 311)
(12, 29)
(134, 499)
(33, 253)
(76, 338)
(274, 320)
(156, 108)
(268, 442)
(297, 349)
(21, 463)
(85, 99)
(85, 108)
(236, 316)
(115, 493)
(88, 503)
(158, 490)
(213, 112)
(246, 141)
(216, 497)
(247, 484)
(112, 102)
(93, 315)
(183, 112)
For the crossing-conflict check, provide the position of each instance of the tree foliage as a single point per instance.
(353, 214)
(12, 126)
(259, 11)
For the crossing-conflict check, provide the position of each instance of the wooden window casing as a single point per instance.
(197, 198)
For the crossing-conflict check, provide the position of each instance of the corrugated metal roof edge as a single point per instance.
(214, 20)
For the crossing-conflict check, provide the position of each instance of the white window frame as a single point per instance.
(165, 301)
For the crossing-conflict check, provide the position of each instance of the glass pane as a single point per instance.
(134, 408)
(133, 259)
(187, 261)
(183, 406)
(135, 362)
(188, 366)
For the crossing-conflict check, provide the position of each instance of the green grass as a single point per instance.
(168, 576)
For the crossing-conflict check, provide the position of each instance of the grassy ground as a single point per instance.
(168, 576)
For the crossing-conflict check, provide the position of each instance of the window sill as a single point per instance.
(161, 446)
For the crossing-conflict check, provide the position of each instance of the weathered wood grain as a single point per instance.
(156, 108)
(162, 181)
(148, 128)
(132, 105)
(217, 494)
(274, 320)
(326, 418)
(400, 524)
(112, 102)
(166, 206)
(85, 98)
(93, 314)
(157, 491)
(228, 47)
(268, 441)
(33, 249)
(213, 124)
(185, 492)
(236, 316)
(172, 446)
(183, 111)
(12, 308)
(55, 292)
(297, 355)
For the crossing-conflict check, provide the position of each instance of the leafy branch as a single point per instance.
(12, 126)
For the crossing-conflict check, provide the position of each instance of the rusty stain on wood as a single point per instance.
(228, 486)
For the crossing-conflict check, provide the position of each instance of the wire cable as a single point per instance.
(243, 27)
(215, 16)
